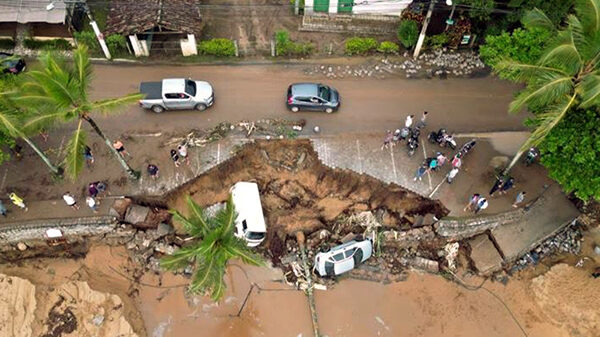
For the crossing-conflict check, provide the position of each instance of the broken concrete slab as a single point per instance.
(551, 212)
(484, 254)
(136, 214)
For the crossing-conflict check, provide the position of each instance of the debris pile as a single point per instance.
(567, 241)
(441, 63)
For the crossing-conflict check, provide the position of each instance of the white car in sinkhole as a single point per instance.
(343, 258)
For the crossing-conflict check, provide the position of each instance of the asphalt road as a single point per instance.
(368, 104)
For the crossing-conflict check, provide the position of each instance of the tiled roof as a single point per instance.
(137, 16)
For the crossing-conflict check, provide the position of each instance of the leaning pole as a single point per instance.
(309, 280)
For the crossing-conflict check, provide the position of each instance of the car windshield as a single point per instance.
(255, 235)
(190, 87)
(324, 92)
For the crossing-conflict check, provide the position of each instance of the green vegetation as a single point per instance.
(217, 47)
(571, 151)
(89, 39)
(286, 47)
(55, 44)
(564, 80)
(408, 33)
(59, 93)
(522, 45)
(438, 41)
(117, 45)
(479, 9)
(388, 47)
(7, 43)
(213, 245)
(360, 45)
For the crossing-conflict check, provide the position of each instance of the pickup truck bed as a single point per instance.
(152, 90)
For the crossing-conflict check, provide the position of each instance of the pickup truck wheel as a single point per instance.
(329, 110)
(200, 107)
(294, 109)
(157, 109)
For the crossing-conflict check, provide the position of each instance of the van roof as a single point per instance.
(246, 200)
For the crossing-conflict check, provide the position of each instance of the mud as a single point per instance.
(299, 193)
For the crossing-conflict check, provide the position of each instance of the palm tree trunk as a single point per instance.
(131, 172)
(56, 170)
(513, 162)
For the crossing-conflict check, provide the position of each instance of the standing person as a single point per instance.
(456, 161)
(420, 172)
(389, 136)
(118, 145)
(482, 204)
(423, 120)
(175, 158)
(70, 201)
(510, 183)
(152, 171)
(472, 202)
(18, 201)
(182, 150)
(89, 157)
(409, 121)
(441, 159)
(497, 185)
(451, 175)
(2, 209)
(92, 203)
(93, 190)
(519, 199)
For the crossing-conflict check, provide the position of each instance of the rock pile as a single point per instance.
(441, 63)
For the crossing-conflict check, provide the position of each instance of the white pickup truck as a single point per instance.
(176, 94)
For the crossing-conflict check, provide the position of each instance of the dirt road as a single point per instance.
(368, 104)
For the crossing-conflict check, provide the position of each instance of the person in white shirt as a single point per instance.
(409, 121)
(70, 200)
(92, 203)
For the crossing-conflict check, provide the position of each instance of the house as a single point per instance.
(378, 7)
(38, 20)
(156, 26)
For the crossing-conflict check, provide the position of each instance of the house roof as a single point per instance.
(134, 16)
(32, 11)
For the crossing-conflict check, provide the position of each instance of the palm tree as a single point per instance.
(214, 244)
(567, 75)
(59, 93)
(11, 123)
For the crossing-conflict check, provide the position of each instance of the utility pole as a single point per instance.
(450, 21)
(424, 30)
(99, 34)
(425, 24)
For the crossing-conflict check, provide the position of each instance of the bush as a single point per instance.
(217, 47)
(408, 32)
(117, 45)
(437, 41)
(360, 45)
(56, 44)
(388, 47)
(285, 46)
(7, 43)
(89, 39)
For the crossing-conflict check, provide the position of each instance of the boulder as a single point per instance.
(136, 214)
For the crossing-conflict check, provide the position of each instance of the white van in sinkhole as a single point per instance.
(250, 221)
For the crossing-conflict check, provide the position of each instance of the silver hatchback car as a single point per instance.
(312, 96)
(343, 258)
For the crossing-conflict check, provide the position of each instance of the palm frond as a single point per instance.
(547, 121)
(179, 259)
(41, 121)
(75, 149)
(225, 217)
(546, 91)
(535, 18)
(8, 122)
(208, 276)
(589, 90)
(111, 104)
(239, 249)
(61, 90)
(192, 228)
(197, 217)
(563, 54)
(588, 12)
(83, 69)
(523, 72)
